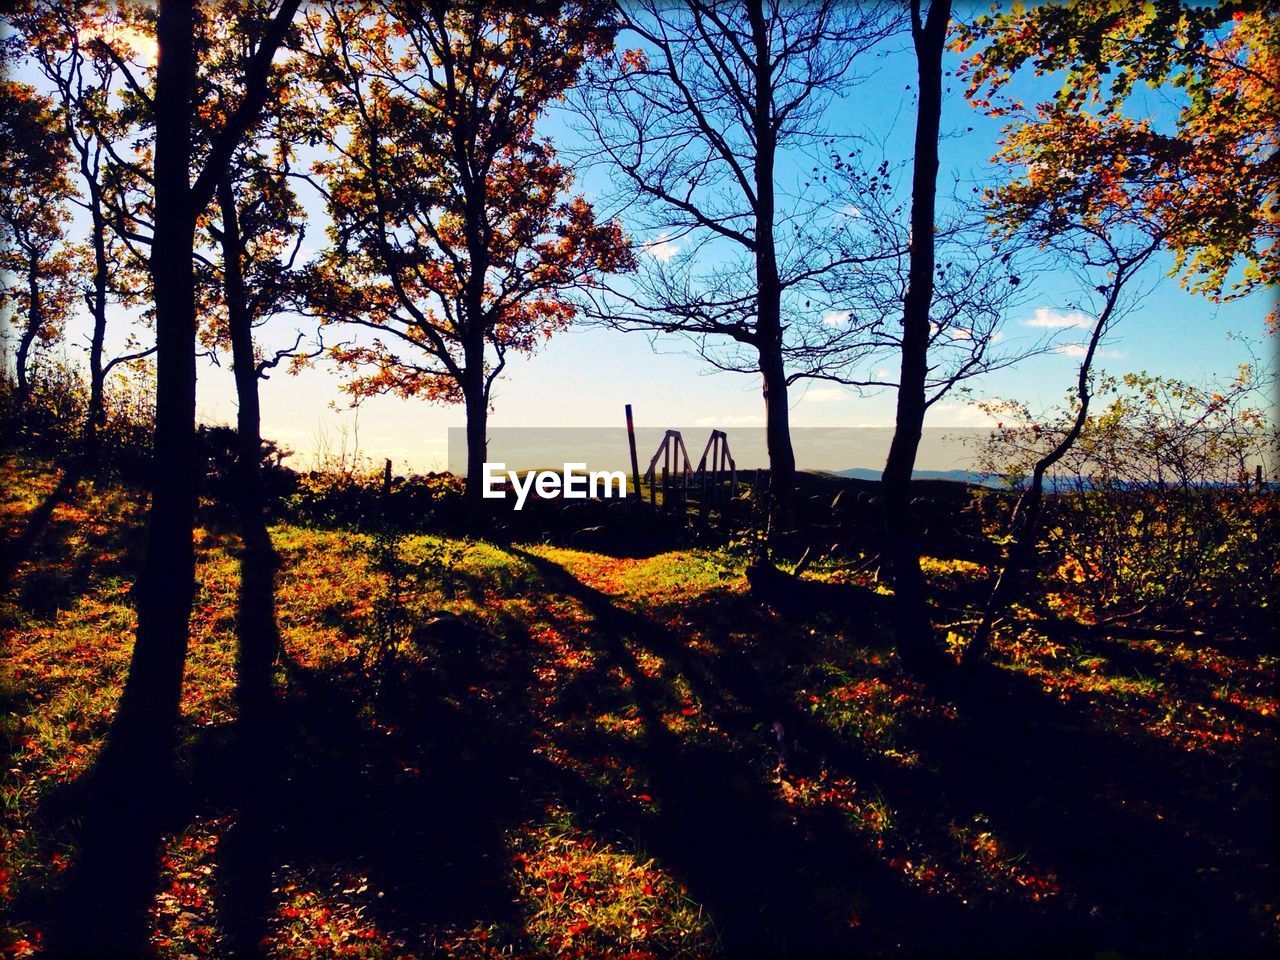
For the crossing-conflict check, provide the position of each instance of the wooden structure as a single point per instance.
(722, 466)
(678, 473)
(675, 477)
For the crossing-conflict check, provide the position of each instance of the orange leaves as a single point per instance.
(1204, 185)
(445, 190)
(589, 898)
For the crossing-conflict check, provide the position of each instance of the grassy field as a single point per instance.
(538, 751)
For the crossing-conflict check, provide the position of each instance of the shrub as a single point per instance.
(1158, 507)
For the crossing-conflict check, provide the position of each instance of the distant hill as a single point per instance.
(955, 476)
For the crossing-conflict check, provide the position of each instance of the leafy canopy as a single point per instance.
(1205, 185)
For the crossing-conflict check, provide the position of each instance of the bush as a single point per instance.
(1158, 507)
(355, 498)
(52, 422)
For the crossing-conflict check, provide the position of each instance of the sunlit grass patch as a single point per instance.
(325, 594)
(667, 579)
(1197, 698)
(865, 702)
(318, 919)
(184, 915)
(944, 569)
(585, 897)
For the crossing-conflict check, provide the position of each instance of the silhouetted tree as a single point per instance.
(453, 233)
(95, 59)
(694, 124)
(912, 627)
(147, 716)
(38, 268)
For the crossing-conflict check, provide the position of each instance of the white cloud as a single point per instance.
(949, 414)
(849, 210)
(1059, 319)
(836, 318)
(824, 395)
(662, 249)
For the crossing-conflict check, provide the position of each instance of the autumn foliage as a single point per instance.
(456, 240)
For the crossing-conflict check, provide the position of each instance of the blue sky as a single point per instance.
(584, 377)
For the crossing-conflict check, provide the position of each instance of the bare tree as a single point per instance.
(975, 285)
(696, 124)
(913, 630)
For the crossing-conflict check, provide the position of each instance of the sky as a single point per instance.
(584, 377)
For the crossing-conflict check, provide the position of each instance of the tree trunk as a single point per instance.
(103, 909)
(96, 418)
(22, 361)
(147, 717)
(477, 408)
(782, 461)
(259, 637)
(912, 628)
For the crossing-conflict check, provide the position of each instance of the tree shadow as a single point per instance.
(415, 777)
(19, 549)
(775, 882)
(1133, 827)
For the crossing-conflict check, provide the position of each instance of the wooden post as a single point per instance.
(635, 464)
(386, 478)
(724, 464)
(666, 471)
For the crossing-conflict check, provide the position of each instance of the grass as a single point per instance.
(635, 758)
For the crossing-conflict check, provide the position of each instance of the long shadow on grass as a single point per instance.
(416, 797)
(775, 884)
(1134, 828)
(19, 548)
(1132, 825)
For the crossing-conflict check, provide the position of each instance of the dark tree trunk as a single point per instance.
(22, 361)
(148, 714)
(477, 409)
(97, 372)
(912, 628)
(259, 637)
(782, 461)
(103, 910)
(474, 378)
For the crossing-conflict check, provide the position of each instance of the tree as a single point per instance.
(1160, 509)
(1110, 191)
(1100, 250)
(975, 284)
(92, 57)
(912, 628)
(258, 232)
(1206, 181)
(454, 240)
(147, 716)
(37, 292)
(695, 123)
